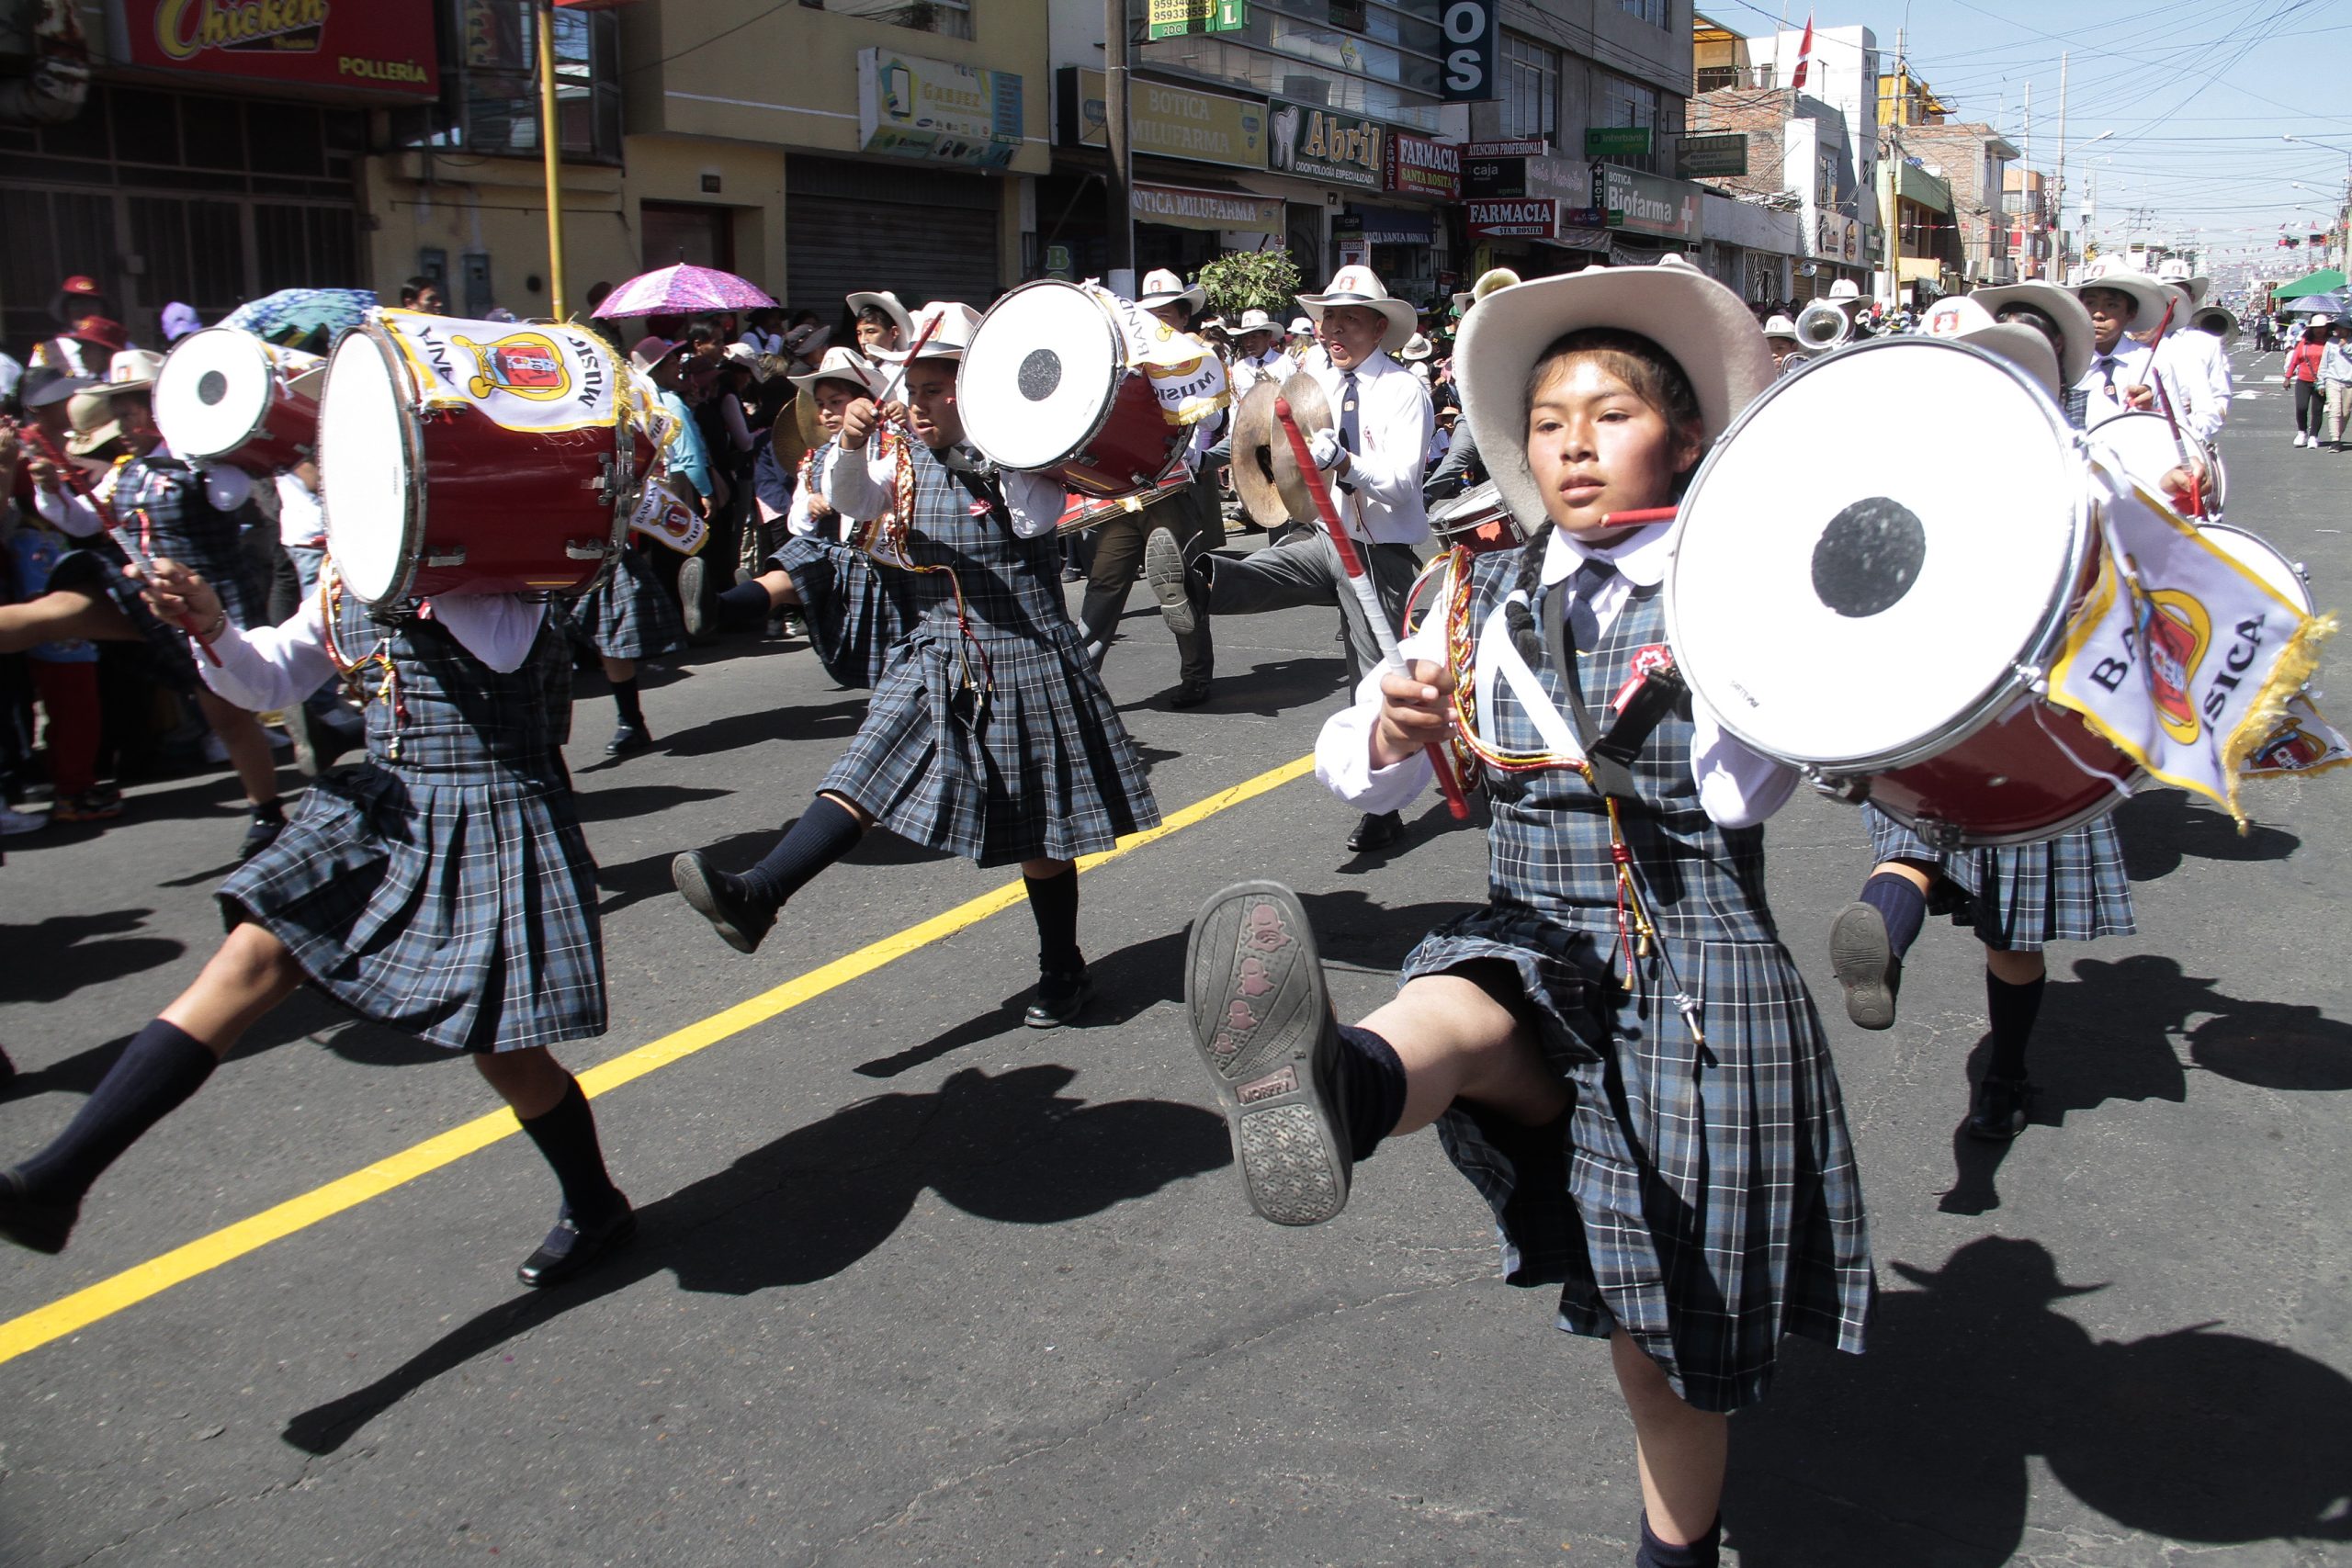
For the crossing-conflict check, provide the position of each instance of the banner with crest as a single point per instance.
(546, 376)
(1186, 375)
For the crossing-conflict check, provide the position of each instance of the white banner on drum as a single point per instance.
(2304, 743)
(660, 514)
(1186, 376)
(2187, 663)
(547, 376)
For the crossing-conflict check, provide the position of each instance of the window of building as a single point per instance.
(950, 19)
(1624, 101)
(1531, 88)
(1650, 11)
(490, 92)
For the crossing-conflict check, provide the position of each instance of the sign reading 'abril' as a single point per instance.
(367, 46)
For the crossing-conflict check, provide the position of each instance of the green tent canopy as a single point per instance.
(2326, 280)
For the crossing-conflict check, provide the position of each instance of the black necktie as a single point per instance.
(2105, 367)
(1349, 432)
(1584, 625)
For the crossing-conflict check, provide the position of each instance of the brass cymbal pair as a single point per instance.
(1265, 474)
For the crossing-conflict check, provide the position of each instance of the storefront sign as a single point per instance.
(1617, 142)
(1647, 204)
(1513, 220)
(911, 107)
(1420, 165)
(1472, 28)
(1531, 147)
(1697, 157)
(1383, 226)
(372, 46)
(1180, 207)
(1315, 143)
(1168, 123)
(1176, 19)
(1562, 179)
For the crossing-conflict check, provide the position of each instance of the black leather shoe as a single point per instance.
(1376, 831)
(721, 899)
(260, 833)
(572, 1249)
(1866, 965)
(1177, 585)
(691, 606)
(30, 1222)
(1189, 694)
(1999, 1112)
(1059, 999)
(628, 740)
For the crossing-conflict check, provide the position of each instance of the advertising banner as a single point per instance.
(370, 46)
(1422, 165)
(1183, 208)
(908, 107)
(1168, 123)
(1317, 143)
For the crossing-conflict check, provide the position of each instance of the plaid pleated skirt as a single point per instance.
(2020, 898)
(1700, 1197)
(1042, 769)
(854, 607)
(461, 912)
(630, 613)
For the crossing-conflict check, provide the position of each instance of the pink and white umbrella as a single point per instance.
(682, 290)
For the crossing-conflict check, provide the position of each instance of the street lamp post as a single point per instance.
(2341, 230)
(2066, 235)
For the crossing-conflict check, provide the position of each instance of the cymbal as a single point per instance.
(1265, 475)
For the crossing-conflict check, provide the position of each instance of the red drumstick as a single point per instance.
(82, 487)
(1352, 564)
(1646, 514)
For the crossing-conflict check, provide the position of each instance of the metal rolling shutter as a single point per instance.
(928, 235)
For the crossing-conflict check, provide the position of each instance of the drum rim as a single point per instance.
(2294, 568)
(2128, 787)
(2025, 669)
(411, 429)
(1118, 358)
(1443, 524)
(270, 368)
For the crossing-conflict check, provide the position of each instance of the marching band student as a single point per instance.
(2018, 899)
(2122, 367)
(628, 617)
(442, 888)
(1376, 452)
(990, 735)
(1257, 354)
(2192, 366)
(884, 327)
(1618, 1053)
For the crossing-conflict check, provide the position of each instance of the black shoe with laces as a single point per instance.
(1999, 1114)
(721, 900)
(1058, 1000)
(1376, 831)
(572, 1249)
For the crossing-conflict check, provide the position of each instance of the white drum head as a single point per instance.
(2258, 556)
(2142, 444)
(213, 390)
(1039, 377)
(1871, 547)
(367, 481)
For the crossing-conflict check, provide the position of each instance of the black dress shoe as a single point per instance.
(628, 740)
(571, 1249)
(1376, 831)
(1174, 583)
(1866, 965)
(1189, 694)
(260, 833)
(1059, 999)
(721, 899)
(691, 609)
(31, 1222)
(1999, 1114)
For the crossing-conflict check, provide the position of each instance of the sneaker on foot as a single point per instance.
(1866, 965)
(1999, 1114)
(1262, 1022)
(1171, 582)
(721, 900)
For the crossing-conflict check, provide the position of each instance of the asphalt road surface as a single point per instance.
(917, 1285)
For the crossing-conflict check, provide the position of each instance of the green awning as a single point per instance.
(2326, 280)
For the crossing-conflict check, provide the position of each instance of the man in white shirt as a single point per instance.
(1373, 456)
(1257, 354)
(2192, 367)
(2123, 368)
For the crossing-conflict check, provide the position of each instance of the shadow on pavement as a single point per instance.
(612, 801)
(1916, 1453)
(1011, 1148)
(52, 959)
(740, 730)
(1268, 690)
(2164, 827)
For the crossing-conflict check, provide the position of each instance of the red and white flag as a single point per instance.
(1805, 55)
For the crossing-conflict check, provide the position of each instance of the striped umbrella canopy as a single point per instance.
(682, 290)
(302, 318)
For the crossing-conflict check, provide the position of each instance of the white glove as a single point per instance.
(1325, 448)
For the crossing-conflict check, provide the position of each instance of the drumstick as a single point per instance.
(1643, 514)
(1360, 581)
(2164, 400)
(899, 372)
(82, 487)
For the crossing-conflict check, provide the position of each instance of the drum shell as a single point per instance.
(1125, 445)
(285, 428)
(1477, 521)
(1131, 447)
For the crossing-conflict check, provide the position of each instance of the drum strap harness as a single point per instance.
(970, 702)
(347, 668)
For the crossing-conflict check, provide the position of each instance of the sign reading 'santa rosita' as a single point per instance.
(363, 45)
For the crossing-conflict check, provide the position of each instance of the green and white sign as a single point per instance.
(1617, 142)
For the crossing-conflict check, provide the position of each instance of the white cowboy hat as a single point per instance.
(948, 340)
(2150, 297)
(133, 370)
(1706, 328)
(1255, 321)
(1358, 285)
(1965, 318)
(1779, 325)
(888, 303)
(842, 365)
(1417, 347)
(1844, 288)
(2062, 304)
(744, 354)
(1300, 327)
(91, 414)
(1163, 287)
(1488, 281)
(2175, 271)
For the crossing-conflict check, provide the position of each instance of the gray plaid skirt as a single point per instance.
(1700, 1197)
(1043, 770)
(854, 607)
(2021, 898)
(630, 613)
(463, 913)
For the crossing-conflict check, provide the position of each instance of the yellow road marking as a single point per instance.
(70, 1314)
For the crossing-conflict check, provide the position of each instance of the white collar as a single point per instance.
(1375, 363)
(1640, 557)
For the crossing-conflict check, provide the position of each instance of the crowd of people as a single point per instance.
(1636, 1079)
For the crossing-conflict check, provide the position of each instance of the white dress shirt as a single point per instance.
(866, 491)
(800, 522)
(1271, 366)
(1380, 492)
(226, 488)
(276, 667)
(1738, 787)
(2131, 361)
(300, 519)
(2196, 374)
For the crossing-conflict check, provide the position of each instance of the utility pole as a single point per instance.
(1117, 185)
(551, 145)
(2066, 236)
(2025, 172)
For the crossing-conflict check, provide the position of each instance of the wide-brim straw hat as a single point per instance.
(948, 340)
(842, 364)
(2150, 299)
(1360, 285)
(888, 303)
(1164, 288)
(2064, 304)
(1704, 326)
(133, 370)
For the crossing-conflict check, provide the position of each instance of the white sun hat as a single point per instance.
(1360, 285)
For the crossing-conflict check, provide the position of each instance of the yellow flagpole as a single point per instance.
(551, 142)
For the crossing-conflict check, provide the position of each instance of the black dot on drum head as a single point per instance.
(1869, 557)
(210, 388)
(1040, 373)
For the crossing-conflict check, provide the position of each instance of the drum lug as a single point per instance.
(1853, 789)
(453, 554)
(1941, 836)
(584, 549)
(2033, 677)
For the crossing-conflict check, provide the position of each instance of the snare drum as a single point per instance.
(2217, 481)
(1083, 511)
(1477, 521)
(2258, 556)
(2142, 443)
(1046, 387)
(426, 491)
(226, 397)
(1879, 616)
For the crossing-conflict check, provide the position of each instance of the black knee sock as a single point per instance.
(1703, 1553)
(157, 1072)
(625, 699)
(1901, 904)
(1370, 1089)
(826, 831)
(745, 604)
(1053, 903)
(2013, 1009)
(566, 1137)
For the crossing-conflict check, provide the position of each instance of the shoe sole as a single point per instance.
(1163, 568)
(1254, 991)
(693, 886)
(1865, 965)
(690, 576)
